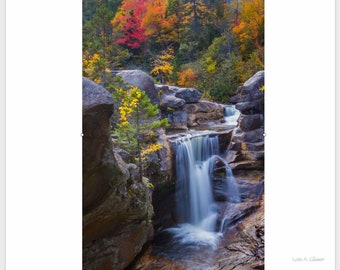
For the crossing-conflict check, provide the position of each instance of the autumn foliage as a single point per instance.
(139, 121)
(186, 77)
(212, 45)
(128, 23)
(163, 66)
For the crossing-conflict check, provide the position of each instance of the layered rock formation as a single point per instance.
(184, 108)
(242, 248)
(116, 207)
(246, 150)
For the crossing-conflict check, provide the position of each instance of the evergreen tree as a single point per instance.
(139, 121)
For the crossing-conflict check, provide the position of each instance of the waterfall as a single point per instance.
(196, 209)
(195, 203)
(231, 115)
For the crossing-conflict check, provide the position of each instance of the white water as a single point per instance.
(195, 203)
(196, 209)
(195, 206)
(232, 189)
(231, 115)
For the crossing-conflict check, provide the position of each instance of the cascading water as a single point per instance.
(195, 203)
(195, 239)
(196, 209)
(231, 115)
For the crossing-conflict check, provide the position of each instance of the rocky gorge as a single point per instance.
(126, 225)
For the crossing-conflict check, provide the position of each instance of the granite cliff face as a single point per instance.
(116, 207)
(246, 150)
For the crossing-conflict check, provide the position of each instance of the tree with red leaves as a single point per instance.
(127, 24)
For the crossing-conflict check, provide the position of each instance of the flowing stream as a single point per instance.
(231, 115)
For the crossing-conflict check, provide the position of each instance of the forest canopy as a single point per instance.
(212, 45)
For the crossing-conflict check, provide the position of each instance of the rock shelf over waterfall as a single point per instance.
(205, 207)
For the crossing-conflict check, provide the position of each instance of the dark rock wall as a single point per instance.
(116, 207)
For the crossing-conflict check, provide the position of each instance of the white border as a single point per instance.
(300, 135)
(2, 136)
(43, 127)
(43, 97)
(337, 107)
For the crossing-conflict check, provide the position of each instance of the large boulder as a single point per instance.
(97, 109)
(190, 95)
(246, 150)
(171, 102)
(142, 80)
(250, 90)
(116, 206)
(251, 122)
(178, 120)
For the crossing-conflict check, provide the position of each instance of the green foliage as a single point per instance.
(220, 73)
(139, 120)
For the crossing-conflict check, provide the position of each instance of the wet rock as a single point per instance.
(244, 243)
(223, 182)
(163, 199)
(250, 184)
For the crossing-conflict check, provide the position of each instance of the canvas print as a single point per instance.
(173, 134)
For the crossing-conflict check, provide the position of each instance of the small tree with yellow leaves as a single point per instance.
(163, 66)
(139, 120)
